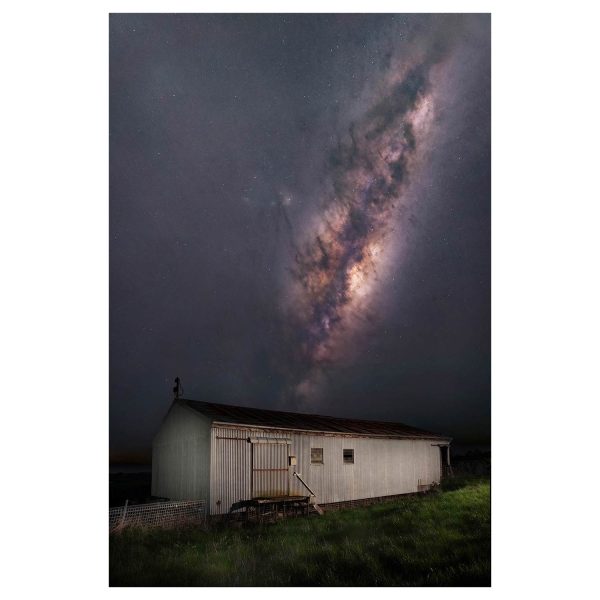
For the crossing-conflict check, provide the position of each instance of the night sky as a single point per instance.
(300, 217)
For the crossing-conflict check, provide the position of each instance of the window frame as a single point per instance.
(348, 462)
(317, 462)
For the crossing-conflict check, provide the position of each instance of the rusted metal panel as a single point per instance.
(232, 464)
(274, 419)
(270, 471)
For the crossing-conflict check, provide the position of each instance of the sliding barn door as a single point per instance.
(270, 470)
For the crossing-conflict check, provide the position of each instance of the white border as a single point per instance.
(55, 301)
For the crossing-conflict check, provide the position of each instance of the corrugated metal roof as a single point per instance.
(239, 415)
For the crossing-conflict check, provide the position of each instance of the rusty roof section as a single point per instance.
(239, 415)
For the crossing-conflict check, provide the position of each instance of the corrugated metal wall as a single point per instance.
(180, 456)
(382, 467)
(230, 468)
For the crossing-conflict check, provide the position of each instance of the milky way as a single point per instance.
(336, 268)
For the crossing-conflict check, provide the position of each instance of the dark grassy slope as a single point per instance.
(440, 539)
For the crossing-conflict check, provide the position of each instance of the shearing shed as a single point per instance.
(231, 456)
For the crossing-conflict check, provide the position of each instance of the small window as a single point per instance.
(349, 456)
(316, 456)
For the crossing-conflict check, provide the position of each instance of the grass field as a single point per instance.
(441, 539)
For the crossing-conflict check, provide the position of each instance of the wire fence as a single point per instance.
(157, 514)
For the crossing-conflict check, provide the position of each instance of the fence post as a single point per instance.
(124, 513)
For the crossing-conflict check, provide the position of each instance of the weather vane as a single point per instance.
(177, 388)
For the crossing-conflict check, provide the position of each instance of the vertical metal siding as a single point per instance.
(180, 457)
(382, 467)
(230, 469)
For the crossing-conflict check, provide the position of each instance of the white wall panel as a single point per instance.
(382, 467)
(180, 456)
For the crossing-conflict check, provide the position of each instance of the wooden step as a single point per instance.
(318, 509)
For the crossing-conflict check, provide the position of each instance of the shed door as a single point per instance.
(270, 470)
